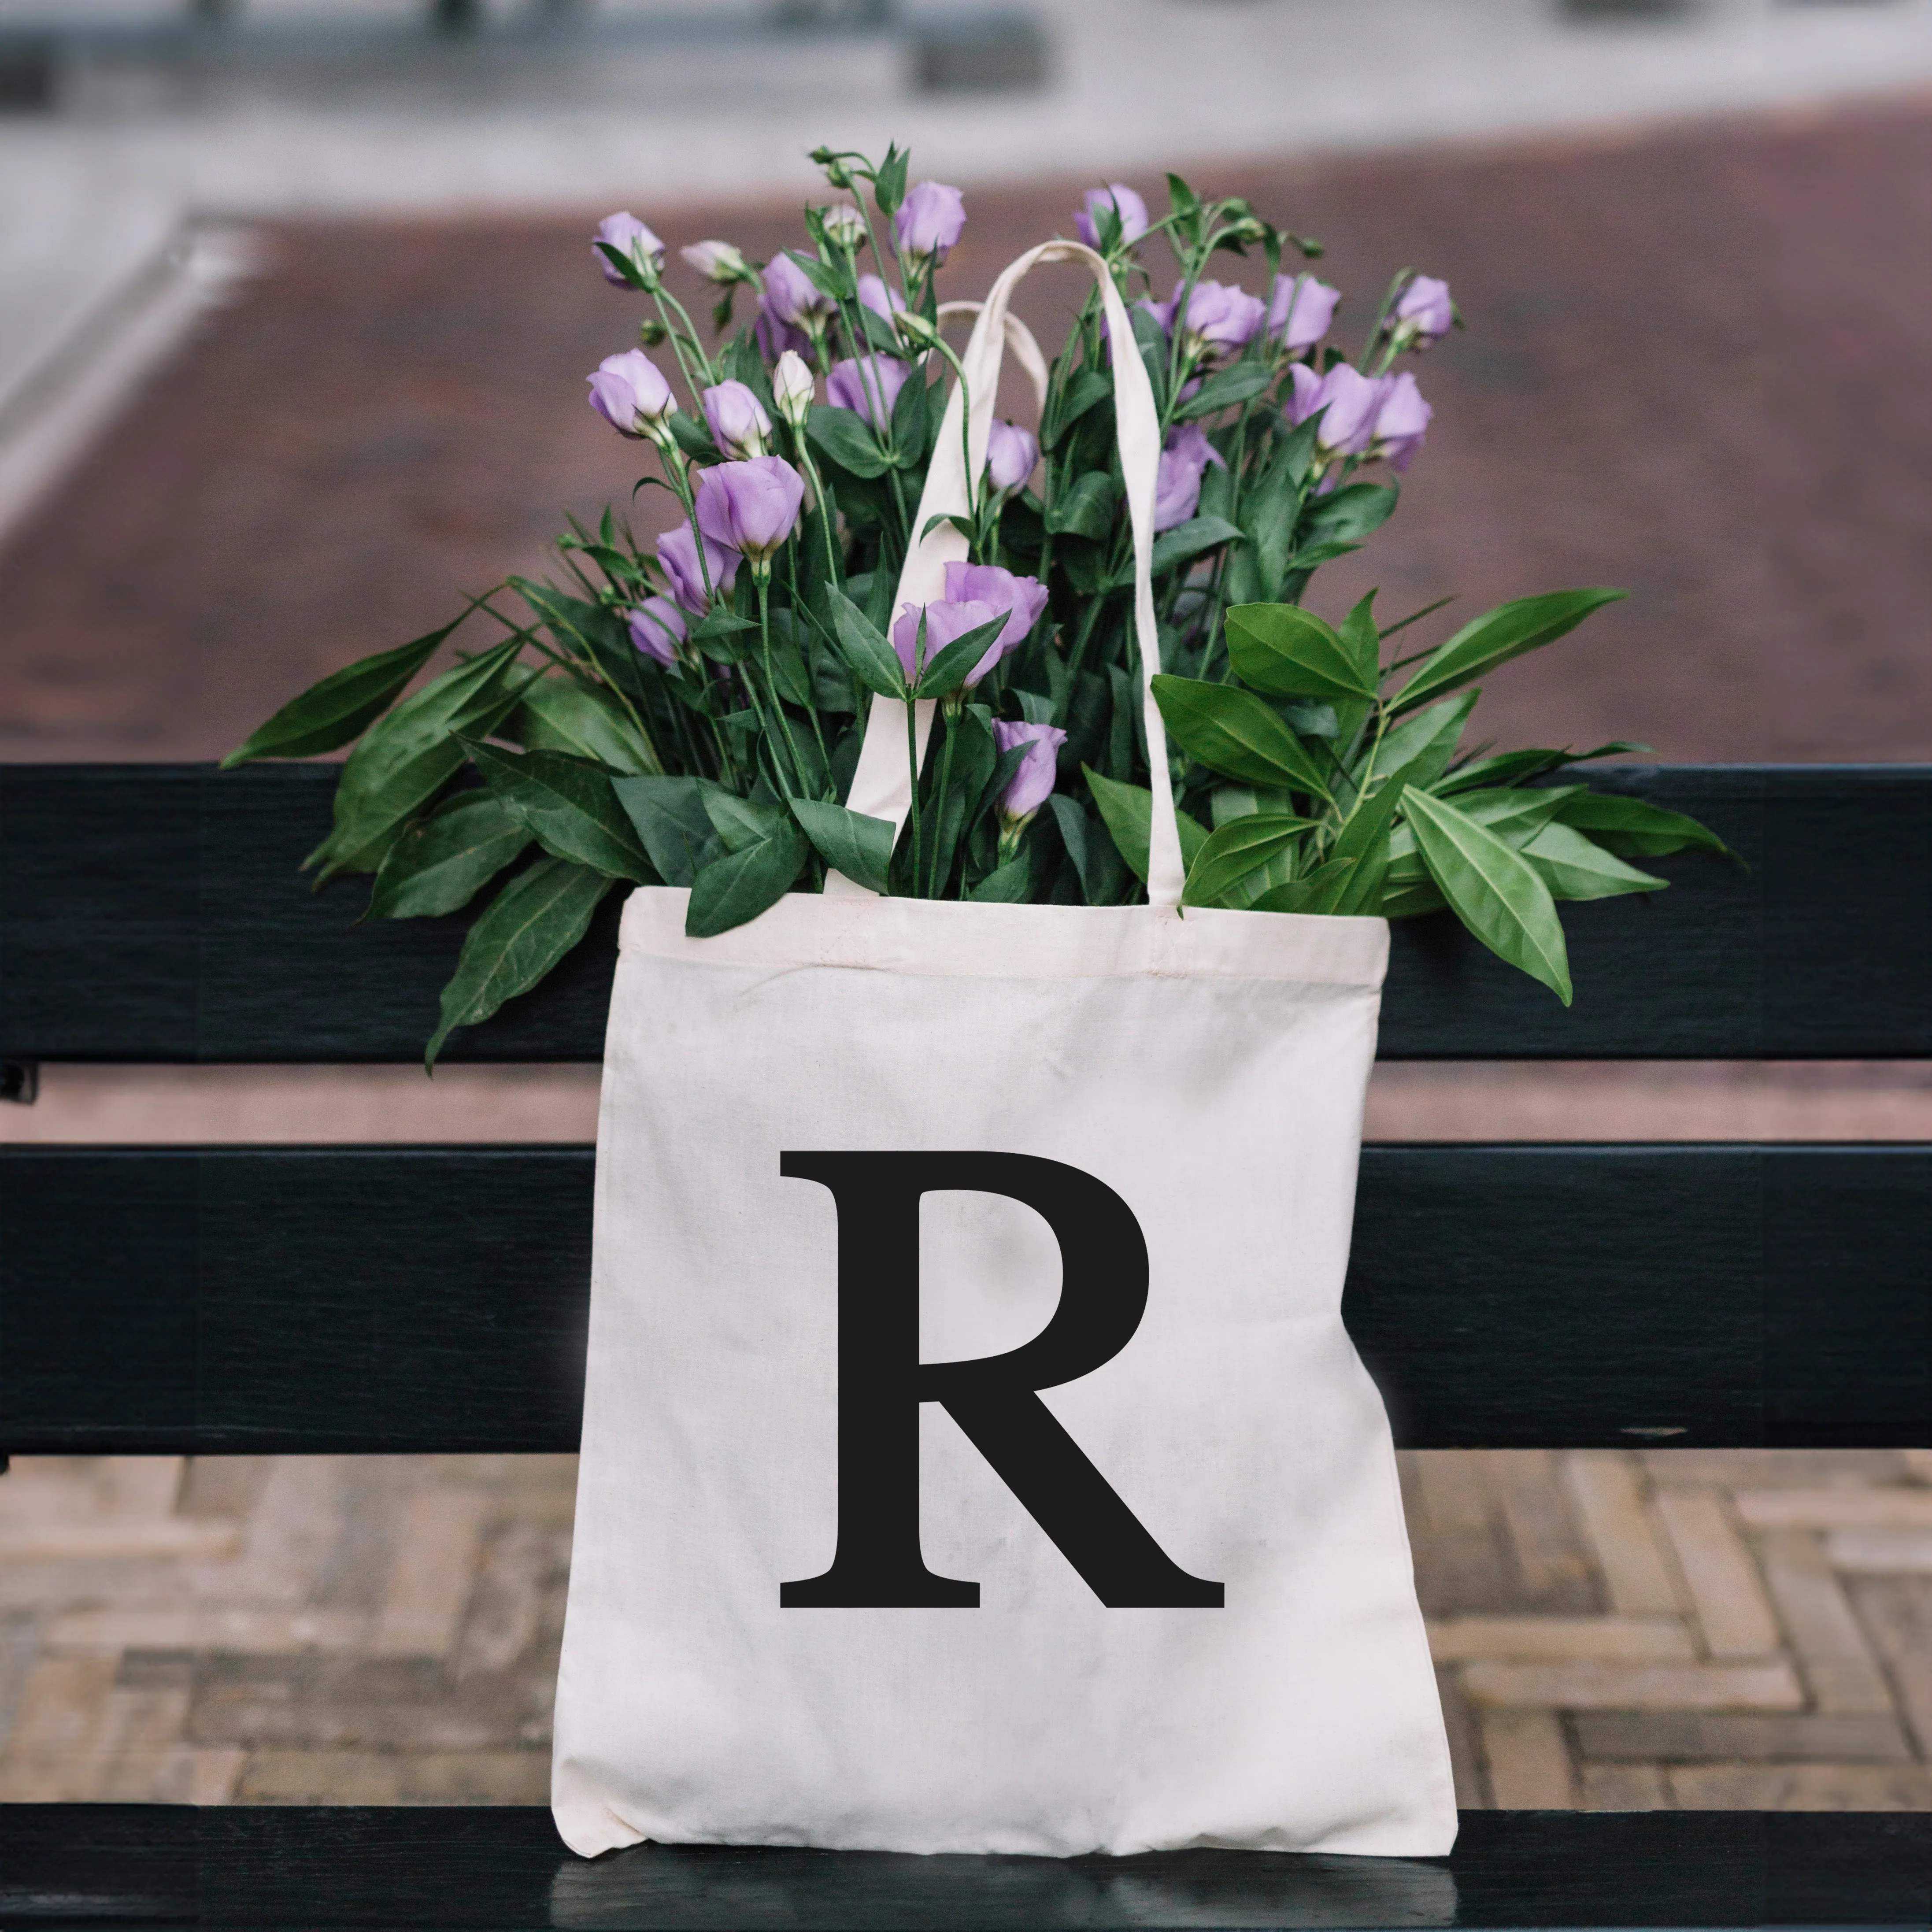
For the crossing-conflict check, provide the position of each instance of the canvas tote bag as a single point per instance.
(973, 1457)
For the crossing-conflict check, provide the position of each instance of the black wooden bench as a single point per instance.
(204, 1300)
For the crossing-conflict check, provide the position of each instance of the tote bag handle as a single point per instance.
(882, 784)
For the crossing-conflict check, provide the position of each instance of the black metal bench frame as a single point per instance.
(259, 1299)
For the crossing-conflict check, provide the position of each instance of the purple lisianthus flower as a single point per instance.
(1032, 785)
(630, 237)
(874, 295)
(868, 386)
(774, 336)
(1011, 454)
(1424, 313)
(791, 295)
(1222, 320)
(1301, 310)
(752, 506)
(657, 628)
(1351, 400)
(1177, 489)
(738, 421)
(930, 221)
(1023, 599)
(947, 620)
(1401, 423)
(1122, 198)
(630, 393)
(677, 553)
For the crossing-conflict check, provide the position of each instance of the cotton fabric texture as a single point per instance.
(973, 1458)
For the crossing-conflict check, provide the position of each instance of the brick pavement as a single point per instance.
(1615, 1631)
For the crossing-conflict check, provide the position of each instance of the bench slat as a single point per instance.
(270, 1868)
(153, 914)
(272, 1299)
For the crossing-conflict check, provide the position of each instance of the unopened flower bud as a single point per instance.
(915, 330)
(792, 388)
(737, 421)
(1424, 313)
(640, 250)
(717, 262)
(630, 393)
(651, 332)
(844, 226)
(836, 172)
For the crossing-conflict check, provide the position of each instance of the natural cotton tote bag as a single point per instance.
(974, 1459)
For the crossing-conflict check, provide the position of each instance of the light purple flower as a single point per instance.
(752, 506)
(774, 336)
(869, 386)
(1117, 195)
(738, 421)
(1222, 320)
(1401, 423)
(947, 620)
(630, 237)
(875, 295)
(792, 296)
(630, 393)
(1023, 599)
(1299, 320)
(930, 221)
(1351, 400)
(677, 553)
(1032, 785)
(1424, 314)
(1177, 489)
(1011, 454)
(657, 628)
(717, 262)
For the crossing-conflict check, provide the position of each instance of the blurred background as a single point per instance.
(295, 303)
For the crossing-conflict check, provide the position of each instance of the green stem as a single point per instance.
(934, 882)
(761, 576)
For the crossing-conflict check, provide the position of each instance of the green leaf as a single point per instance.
(742, 822)
(1186, 541)
(328, 715)
(947, 669)
(1573, 867)
(739, 886)
(1363, 641)
(1127, 812)
(524, 932)
(569, 806)
(1498, 635)
(1010, 885)
(1514, 814)
(1286, 652)
(1411, 901)
(1235, 852)
(558, 714)
(910, 411)
(1102, 874)
(670, 819)
(1634, 829)
(844, 436)
(406, 758)
(1319, 891)
(888, 183)
(1498, 895)
(1087, 509)
(1428, 741)
(1268, 515)
(1240, 384)
(1233, 732)
(1348, 515)
(874, 662)
(827, 277)
(848, 841)
(1070, 403)
(439, 863)
(693, 437)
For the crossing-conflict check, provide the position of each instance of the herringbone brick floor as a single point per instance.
(1614, 1630)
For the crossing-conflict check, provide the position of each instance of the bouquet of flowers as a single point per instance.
(691, 715)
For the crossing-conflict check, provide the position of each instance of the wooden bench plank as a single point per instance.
(491, 1869)
(260, 1299)
(153, 914)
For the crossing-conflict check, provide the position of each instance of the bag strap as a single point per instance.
(881, 785)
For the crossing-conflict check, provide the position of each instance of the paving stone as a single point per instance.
(1751, 1736)
(1837, 1662)
(431, 1571)
(1555, 1574)
(1847, 1508)
(1801, 1787)
(1528, 1760)
(58, 1744)
(1465, 1753)
(1615, 1686)
(369, 1777)
(1459, 1639)
(1623, 1787)
(113, 1541)
(1897, 1612)
(209, 1627)
(1885, 1551)
(1727, 1593)
(1607, 1488)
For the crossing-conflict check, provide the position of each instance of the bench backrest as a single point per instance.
(291, 1299)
